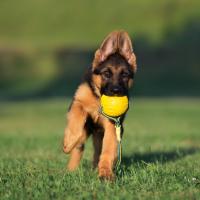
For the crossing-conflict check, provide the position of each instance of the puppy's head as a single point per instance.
(114, 65)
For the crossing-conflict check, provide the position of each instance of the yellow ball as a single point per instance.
(114, 106)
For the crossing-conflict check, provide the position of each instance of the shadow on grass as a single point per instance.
(158, 156)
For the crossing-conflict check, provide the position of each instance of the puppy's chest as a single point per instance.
(90, 103)
(93, 111)
(92, 108)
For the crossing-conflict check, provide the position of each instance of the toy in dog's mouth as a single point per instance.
(114, 106)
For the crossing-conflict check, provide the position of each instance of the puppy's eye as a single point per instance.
(125, 74)
(106, 74)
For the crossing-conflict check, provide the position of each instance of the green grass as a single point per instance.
(161, 154)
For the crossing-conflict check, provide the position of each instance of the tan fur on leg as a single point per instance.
(77, 153)
(75, 157)
(75, 128)
(109, 152)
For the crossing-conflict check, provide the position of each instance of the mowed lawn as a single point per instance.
(161, 153)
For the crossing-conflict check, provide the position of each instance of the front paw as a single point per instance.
(66, 149)
(67, 146)
(70, 140)
(106, 174)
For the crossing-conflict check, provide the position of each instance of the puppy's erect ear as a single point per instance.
(126, 49)
(108, 47)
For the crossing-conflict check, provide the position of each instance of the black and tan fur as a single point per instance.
(111, 73)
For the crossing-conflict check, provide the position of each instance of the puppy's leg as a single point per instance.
(109, 152)
(97, 137)
(75, 126)
(77, 152)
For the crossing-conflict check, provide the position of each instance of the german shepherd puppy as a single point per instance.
(111, 73)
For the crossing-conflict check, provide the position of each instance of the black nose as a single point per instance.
(116, 89)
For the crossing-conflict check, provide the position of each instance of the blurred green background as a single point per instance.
(46, 45)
